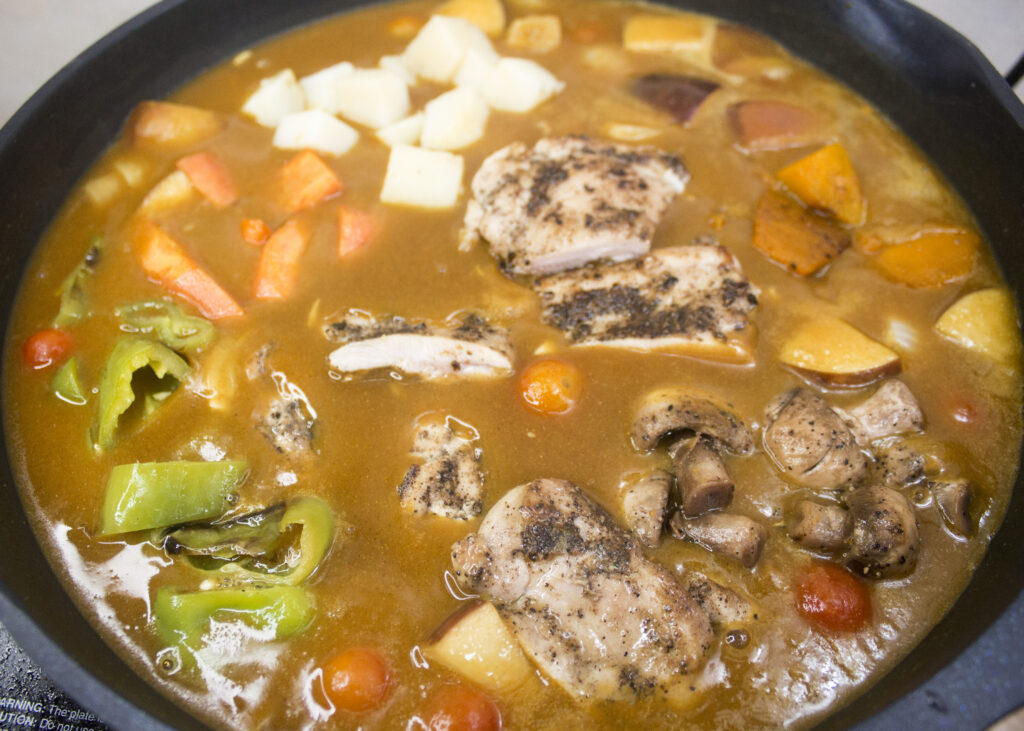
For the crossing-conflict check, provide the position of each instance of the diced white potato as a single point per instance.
(630, 132)
(101, 191)
(475, 69)
(373, 97)
(404, 132)
(535, 33)
(487, 15)
(132, 169)
(394, 65)
(455, 119)
(319, 87)
(418, 177)
(317, 130)
(985, 322)
(174, 190)
(475, 642)
(277, 97)
(438, 49)
(519, 85)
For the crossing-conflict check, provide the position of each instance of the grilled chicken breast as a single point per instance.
(448, 482)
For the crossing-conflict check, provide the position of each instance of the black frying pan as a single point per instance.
(929, 80)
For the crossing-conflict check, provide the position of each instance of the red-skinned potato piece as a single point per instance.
(833, 352)
(833, 598)
(460, 708)
(775, 125)
(46, 347)
(797, 239)
(678, 95)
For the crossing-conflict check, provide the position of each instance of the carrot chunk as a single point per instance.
(255, 231)
(278, 269)
(211, 177)
(794, 237)
(775, 125)
(826, 179)
(167, 124)
(165, 261)
(354, 229)
(305, 181)
(925, 259)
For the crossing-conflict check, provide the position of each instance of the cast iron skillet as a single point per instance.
(929, 80)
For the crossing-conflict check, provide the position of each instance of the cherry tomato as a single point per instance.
(46, 347)
(357, 680)
(833, 598)
(459, 708)
(551, 386)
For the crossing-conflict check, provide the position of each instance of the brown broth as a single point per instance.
(384, 582)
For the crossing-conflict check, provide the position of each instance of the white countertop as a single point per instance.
(38, 37)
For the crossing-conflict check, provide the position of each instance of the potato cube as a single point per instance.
(660, 33)
(487, 15)
(836, 353)
(426, 178)
(985, 322)
(629, 132)
(404, 132)
(519, 85)
(535, 33)
(317, 130)
(475, 643)
(475, 69)
(319, 87)
(102, 190)
(172, 191)
(166, 123)
(394, 65)
(440, 46)
(277, 97)
(373, 97)
(132, 169)
(455, 119)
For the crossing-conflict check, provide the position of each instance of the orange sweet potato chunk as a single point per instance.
(799, 240)
(826, 179)
(776, 125)
(929, 259)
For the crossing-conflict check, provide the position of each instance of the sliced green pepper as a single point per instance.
(256, 548)
(131, 354)
(175, 329)
(182, 617)
(67, 385)
(143, 496)
(73, 305)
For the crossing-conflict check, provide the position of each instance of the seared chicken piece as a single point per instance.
(287, 426)
(703, 483)
(818, 527)
(571, 200)
(885, 539)
(726, 607)
(448, 483)
(810, 442)
(462, 347)
(731, 535)
(954, 501)
(694, 299)
(643, 506)
(672, 410)
(890, 410)
(599, 618)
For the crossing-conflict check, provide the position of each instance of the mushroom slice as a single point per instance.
(643, 505)
(885, 539)
(890, 410)
(727, 608)
(818, 527)
(954, 501)
(731, 535)
(704, 485)
(897, 464)
(810, 443)
(667, 411)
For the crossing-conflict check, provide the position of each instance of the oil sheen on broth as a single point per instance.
(853, 271)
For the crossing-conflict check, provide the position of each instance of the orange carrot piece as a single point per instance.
(354, 229)
(826, 179)
(255, 231)
(165, 261)
(211, 177)
(278, 269)
(305, 181)
(799, 240)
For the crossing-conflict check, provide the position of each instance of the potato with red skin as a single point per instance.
(461, 708)
(833, 598)
(357, 679)
(551, 386)
(46, 347)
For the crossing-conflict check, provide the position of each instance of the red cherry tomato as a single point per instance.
(357, 680)
(459, 708)
(46, 347)
(833, 598)
(551, 386)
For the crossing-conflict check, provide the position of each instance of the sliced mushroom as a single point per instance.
(818, 527)
(731, 535)
(703, 483)
(897, 464)
(810, 443)
(727, 608)
(668, 411)
(954, 501)
(643, 505)
(885, 539)
(890, 410)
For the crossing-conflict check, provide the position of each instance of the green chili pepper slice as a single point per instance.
(73, 304)
(67, 385)
(130, 355)
(144, 496)
(175, 329)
